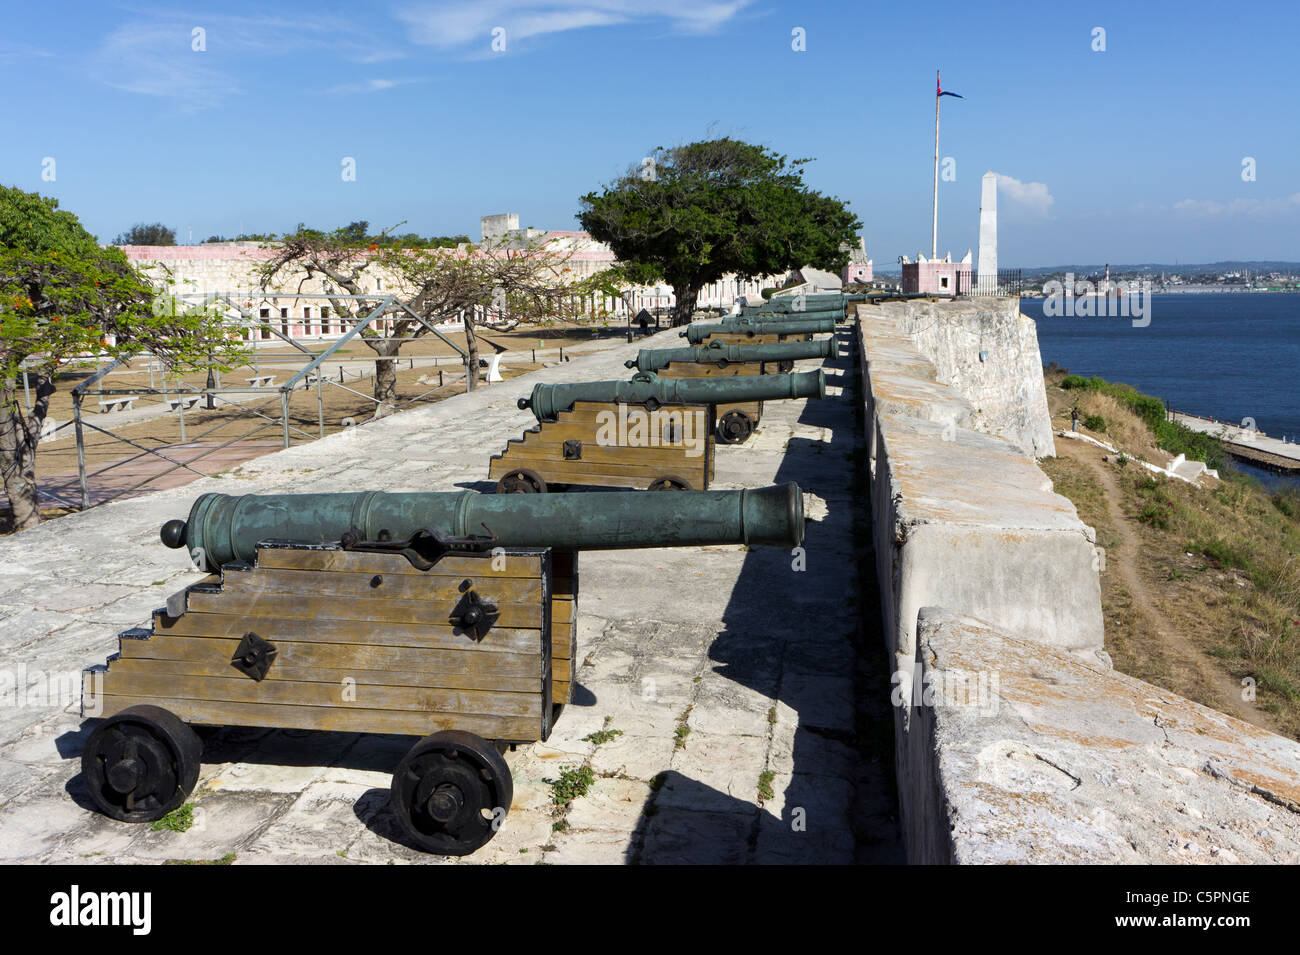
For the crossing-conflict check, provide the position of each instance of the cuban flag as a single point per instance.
(940, 91)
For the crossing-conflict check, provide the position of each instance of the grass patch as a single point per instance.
(1221, 559)
(1169, 435)
(604, 735)
(179, 819)
(765, 785)
(573, 782)
(226, 859)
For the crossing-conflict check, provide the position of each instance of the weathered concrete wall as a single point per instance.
(1026, 754)
(963, 519)
(1005, 387)
(1015, 740)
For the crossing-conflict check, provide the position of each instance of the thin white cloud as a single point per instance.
(373, 85)
(450, 25)
(153, 55)
(1032, 196)
(1248, 208)
(10, 53)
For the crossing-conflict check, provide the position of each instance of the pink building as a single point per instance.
(937, 276)
(859, 267)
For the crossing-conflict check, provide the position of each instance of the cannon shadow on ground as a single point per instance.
(809, 639)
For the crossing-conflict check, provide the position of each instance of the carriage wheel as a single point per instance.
(785, 366)
(521, 481)
(735, 427)
(670, 482)
(140, 764)
(451, 792)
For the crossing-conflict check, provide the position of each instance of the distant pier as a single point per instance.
(1246, 443)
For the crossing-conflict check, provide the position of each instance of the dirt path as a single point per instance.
(1123, 561)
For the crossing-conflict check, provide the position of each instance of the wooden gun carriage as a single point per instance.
(360, 613)
(648, 433)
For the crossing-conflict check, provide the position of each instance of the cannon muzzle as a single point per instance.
(751, 327)
(654, 359)
(646, 388)
(222, 528)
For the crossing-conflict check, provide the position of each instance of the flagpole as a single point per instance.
(934, 229)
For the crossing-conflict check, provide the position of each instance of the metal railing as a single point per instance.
(1006, 282)
(306, 376)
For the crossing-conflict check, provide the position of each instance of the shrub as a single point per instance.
(1156, 514)
(1094, 422)
(1169, 435)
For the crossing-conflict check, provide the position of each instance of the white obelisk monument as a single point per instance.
(987, 267)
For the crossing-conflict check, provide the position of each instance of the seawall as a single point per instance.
(1015, 740)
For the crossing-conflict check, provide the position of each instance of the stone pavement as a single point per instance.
(107, 480)
(750, 708)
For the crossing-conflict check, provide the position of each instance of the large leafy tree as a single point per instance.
(151, 233)
(62, 298)
(692, 214)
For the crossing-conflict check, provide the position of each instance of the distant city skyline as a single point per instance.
(1171, 143)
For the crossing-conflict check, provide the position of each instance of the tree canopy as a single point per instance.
(63, 298)
(691, 214)
(152, 233)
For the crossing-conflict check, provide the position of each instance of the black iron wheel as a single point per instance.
(670, 482)
(140, 764)
(451, 792)
(785, 366)
(735, 427)
(521, 481)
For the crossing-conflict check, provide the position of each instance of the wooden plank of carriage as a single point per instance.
(451, 669)
(265, 580)
(505, 639)
(564, 636)
(510, 683)
(342, 719)
(456, 566)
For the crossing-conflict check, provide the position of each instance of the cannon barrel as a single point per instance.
(547, 401)
(785, 303)
(744, 325)
(653, 359)
(794, 315)
(222, 528)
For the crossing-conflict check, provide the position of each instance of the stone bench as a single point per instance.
(118, 403)
(261, 381)
(184, 401)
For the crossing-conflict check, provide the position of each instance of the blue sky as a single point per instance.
(1130, 154)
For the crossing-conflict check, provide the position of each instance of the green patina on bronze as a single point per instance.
(653, 359)
(222, 528)
(789, 315)
(743, 325)
(645, 387)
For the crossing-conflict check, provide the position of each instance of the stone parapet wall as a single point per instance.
(1015, 740)
(987, 352)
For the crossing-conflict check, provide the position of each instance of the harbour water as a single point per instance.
(1222, 356)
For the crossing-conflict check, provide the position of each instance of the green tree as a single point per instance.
(153, 233)
(691, 214)
(63, 298)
